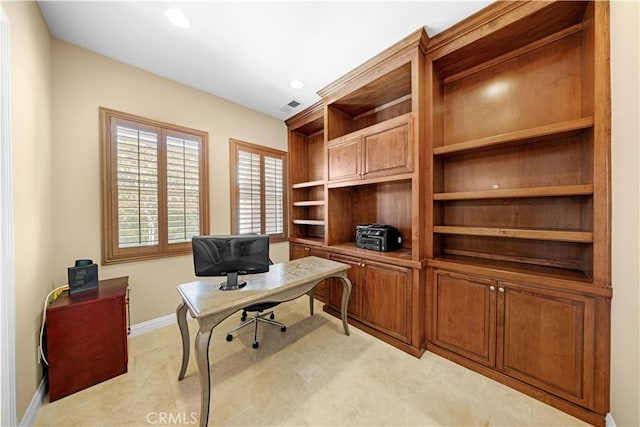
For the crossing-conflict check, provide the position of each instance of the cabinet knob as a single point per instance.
(500, 289)
(307, 249)
(362, 264)
(492, 288)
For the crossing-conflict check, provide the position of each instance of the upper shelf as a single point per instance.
(518, 233)
(553, 191)
(531, 135)
(306, 203)
(307, 184)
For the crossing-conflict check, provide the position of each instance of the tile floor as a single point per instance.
(311, 375)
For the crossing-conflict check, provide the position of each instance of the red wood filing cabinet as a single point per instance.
(87, 337)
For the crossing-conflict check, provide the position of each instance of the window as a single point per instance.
(154, 187)
(258, 198)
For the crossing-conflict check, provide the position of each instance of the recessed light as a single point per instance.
(297, 84)
(177, 18)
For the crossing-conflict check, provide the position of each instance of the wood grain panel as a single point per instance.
(388, 152)
(547, 340)
(568, 255)
(463, 318)
(552, 213)
(386, 302)
(563, 161)
(344, 160)
(539, 88)
(355, 275)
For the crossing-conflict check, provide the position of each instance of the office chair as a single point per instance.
(257, 318)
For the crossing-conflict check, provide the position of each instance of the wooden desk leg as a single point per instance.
(202, 357)
(346, 283)
(181, 314)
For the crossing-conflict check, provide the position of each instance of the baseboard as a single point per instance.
(609, 421)
(33, 409)
(153, 324)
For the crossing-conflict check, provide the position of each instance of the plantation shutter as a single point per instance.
(154, 187)
(249, 192)
(137, 186)
(183, 189)
(273, 196)
(258, 190)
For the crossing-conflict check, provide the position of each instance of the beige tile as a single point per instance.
(311, 375)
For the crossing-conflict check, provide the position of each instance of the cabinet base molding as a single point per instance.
(400, 345)
(579, 412)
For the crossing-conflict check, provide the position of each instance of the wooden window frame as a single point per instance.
(111, 252)
(237, 145)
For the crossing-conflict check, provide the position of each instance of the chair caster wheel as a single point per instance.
(273, 316)
(256, 344)
(283, 329)
(229, 337)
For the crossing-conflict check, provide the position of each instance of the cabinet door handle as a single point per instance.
(500, 289)
(492, 288)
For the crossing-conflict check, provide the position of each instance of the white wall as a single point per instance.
(32, 185)
(625, 143)
(82, 82)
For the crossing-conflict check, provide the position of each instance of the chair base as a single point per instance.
(255, 319)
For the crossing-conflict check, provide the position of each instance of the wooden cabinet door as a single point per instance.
(546, 339)
(322, 289)
(464, 316)
(386, 303)
(344, 160)
(389, 151)
(356, 277)
(297, 250)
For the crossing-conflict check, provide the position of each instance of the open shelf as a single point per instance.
(309, 203)
(308, 240)
(384, 98)
(531, 135)
(308, 222)
(514, 233)
(307, 184)
(307, 174)
(558, 190)
(543, 275)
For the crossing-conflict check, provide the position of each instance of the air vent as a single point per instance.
(293, 104)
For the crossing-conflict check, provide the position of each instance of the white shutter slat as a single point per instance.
(137, 187)
(248, 182)
(274, 195)
(183, 189)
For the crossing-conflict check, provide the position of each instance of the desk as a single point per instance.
(210, 306)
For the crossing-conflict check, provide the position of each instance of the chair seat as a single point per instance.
(261, 306)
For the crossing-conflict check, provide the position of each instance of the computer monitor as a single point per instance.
(230, 256)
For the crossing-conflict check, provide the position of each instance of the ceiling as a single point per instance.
(248, 51)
